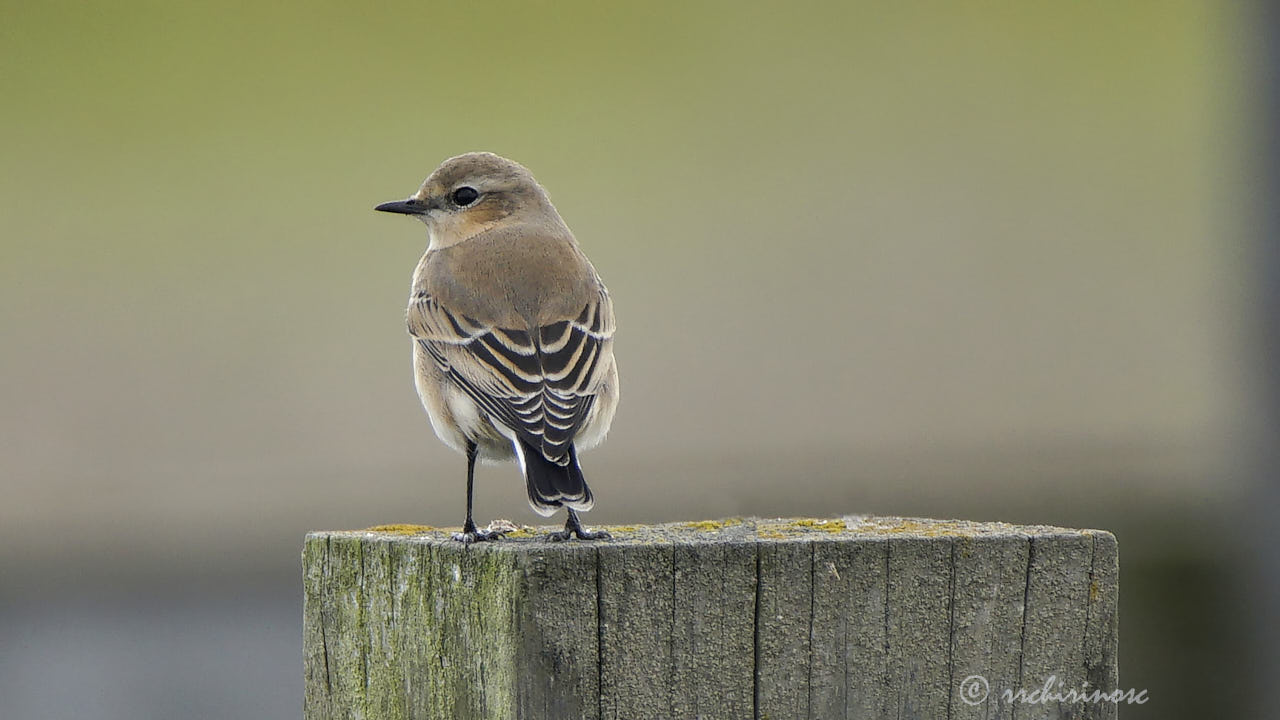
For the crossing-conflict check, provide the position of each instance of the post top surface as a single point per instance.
(853, 528)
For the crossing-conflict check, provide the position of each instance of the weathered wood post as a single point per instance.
(768, 619)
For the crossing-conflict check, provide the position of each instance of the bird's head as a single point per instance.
(471, 193)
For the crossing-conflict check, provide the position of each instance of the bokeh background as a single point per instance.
(994, 263)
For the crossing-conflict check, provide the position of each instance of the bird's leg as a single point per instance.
(469, 532)
(573, 526)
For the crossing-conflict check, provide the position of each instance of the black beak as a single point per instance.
(405, 207)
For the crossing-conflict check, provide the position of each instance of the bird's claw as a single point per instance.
(582, 533)
(467, 537)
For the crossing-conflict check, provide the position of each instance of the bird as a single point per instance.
(512, 332)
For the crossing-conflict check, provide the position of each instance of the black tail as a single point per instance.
(552, 486)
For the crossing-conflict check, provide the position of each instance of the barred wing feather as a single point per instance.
(540, 382)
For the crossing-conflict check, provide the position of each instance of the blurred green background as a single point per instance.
(904, 258)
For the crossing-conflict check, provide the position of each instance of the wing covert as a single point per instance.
(541, 382)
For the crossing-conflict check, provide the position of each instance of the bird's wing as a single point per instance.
(540, 382)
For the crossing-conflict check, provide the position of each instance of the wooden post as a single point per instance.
(859, 617)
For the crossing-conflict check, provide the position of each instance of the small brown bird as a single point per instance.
(512, 333)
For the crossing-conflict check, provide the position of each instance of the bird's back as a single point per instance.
(523, 326)
(517, 277)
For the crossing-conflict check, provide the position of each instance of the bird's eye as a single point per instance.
(464, 196)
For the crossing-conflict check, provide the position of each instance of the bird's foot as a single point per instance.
(466, 538)
(573, 526)
(470, 534)
(582, 533)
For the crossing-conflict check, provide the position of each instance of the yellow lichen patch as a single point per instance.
(704, 525)
(521, 532)
(622, 528)
(1094, 591)
(831, 526)
(908, 526)
(770, 535)
(400, 529)
(777, 529)
(711, 525)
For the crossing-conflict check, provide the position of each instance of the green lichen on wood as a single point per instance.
(315, 646)
(343, 617)
(383, 671)
(474, 595)
(399, 629)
